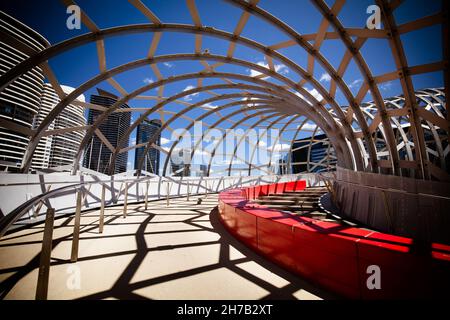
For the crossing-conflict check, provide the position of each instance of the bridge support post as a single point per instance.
(146, 195)
(125, 201)
(44, 264)
(187, 190)
(167, 193)
(76, 229)
(102, 211)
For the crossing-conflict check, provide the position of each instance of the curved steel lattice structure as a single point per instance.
(406, 135)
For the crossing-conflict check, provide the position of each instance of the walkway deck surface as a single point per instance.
(176, 252)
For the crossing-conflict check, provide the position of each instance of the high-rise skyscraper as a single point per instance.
(97, 155)
(41, 156)
(66, 145)
(58, 150)
(203, 172)
(283, 164)
(145, 131)
(314, 155)
(20, 101)
(180, 162)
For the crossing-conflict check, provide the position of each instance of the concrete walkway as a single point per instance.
(176, 252)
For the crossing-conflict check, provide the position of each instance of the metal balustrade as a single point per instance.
(88, 190)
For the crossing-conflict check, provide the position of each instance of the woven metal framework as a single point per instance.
(406, 135)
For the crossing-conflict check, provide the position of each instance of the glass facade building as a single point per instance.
(146, 131)
(98, 156)
(20, 101)
(59, 150)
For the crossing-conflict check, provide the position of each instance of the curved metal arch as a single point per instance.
(276, 141)
(293, 141)
(90, 83)
(324, 63)
(250, 7)
(174, 117)
(437, 140)
(364, 69)
(212, 126)
(256, 146)
(101, 34)
(138, 63)
(407, 86)
(398, 127)
(397, 109)
(241, 77)
(233, 156)
(145, 88)
(222, 138)
(216, 58)
(265, 111)
(176, 97)
(250, 116)
(326, 127)
(236, 147)
(143, 116)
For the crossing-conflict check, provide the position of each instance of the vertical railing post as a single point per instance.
(187, 186)
(102, 210)
(76, 229)
(137, 192)
(146, 194)
(125, 201)
(167, 193)
(206, 188)
(44, 264)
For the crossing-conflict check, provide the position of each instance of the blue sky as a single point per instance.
(77, 66)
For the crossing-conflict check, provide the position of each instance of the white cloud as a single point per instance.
(386, 86)
(308, 126)
(189, 97)
(325, 77)
(280, 68)
(279, 147)
(164, 141)
(262, 143)
(315, 94)
(201, 152)
(355, 83)
(209, 106)
(312, 92)
(168, 64)
(148, 80)
(249, 99)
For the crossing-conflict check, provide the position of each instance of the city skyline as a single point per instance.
(228, 150)
(354, 14)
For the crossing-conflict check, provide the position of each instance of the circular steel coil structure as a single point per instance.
(406, 135)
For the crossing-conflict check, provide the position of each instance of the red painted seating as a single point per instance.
(331, 255)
